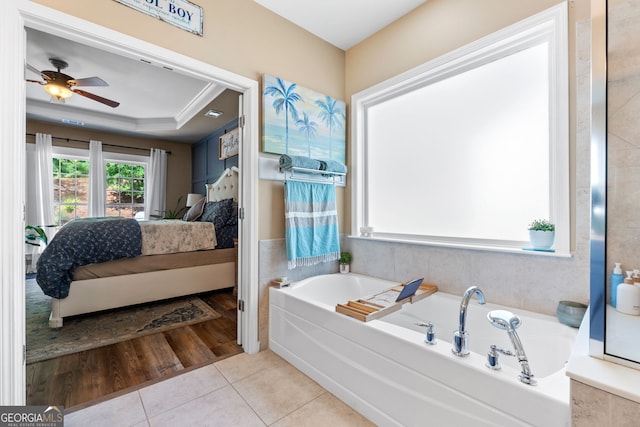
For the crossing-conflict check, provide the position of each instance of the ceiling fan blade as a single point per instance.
(89, 81)
(36, 81)
(105, 101)
(38, 72)
(32, 68)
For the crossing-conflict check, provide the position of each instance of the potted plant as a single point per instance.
(33, 233)
(172, 214)
(345, 260)
(542, 233)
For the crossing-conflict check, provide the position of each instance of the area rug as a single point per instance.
(88, 331)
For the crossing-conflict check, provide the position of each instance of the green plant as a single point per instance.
(542, 225)
(175, 213)
(33, 233)
(345, 258)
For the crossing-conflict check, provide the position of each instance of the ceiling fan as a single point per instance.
(61, 86)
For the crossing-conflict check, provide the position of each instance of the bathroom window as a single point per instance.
(469, 148)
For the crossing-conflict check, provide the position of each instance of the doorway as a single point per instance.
(21, 15)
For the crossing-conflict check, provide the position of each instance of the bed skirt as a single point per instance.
(103, 293)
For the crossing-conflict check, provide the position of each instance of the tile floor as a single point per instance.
(244, 390)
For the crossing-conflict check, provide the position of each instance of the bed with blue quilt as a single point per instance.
(95, 264)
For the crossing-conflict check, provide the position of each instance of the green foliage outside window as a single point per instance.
(125, 184)
(69, 204)
(69, 168)
(124, 192)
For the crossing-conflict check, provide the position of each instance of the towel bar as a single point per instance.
(313, 175)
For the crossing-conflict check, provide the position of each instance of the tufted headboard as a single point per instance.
(225, 187)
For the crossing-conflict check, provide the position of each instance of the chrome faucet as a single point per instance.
(509, 322)
(460, 336)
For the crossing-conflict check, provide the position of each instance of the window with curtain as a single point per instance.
(470, 148)
(125, 175)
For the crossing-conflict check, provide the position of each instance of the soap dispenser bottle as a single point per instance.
(616, 279)
(628, 296)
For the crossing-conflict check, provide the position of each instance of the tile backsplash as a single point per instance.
(529, 282)
(273, 264)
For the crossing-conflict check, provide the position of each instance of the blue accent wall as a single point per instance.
(205, 166)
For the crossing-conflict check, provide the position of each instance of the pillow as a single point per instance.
(195, 211)
(225, 236)
(223, 217)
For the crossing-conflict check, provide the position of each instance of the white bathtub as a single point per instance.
(385, 370)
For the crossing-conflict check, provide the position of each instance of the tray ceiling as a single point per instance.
(155, 101)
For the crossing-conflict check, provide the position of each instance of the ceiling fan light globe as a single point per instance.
(58, 91)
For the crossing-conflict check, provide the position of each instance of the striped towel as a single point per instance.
(311, 223)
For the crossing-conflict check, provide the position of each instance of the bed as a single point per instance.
(155, 276)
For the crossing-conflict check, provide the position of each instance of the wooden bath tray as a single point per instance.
(377, 305)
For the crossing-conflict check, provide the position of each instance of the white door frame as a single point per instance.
(20, 14)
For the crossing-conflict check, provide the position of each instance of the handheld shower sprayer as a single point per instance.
(503, 319)
(507, 321)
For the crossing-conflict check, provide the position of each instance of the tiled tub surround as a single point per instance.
(273, 264)
(385, 370)
(603, 394)
(530, 282)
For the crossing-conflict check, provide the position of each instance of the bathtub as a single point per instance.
(384, 369)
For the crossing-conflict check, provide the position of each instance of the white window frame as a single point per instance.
(128, 159)
(82, 154)
(549, 26)
(70, 154)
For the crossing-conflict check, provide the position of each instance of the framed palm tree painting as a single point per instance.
(302, 122)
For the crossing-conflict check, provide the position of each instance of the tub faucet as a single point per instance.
(460, 336)
(509, 322)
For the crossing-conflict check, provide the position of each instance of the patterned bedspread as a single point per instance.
(92, 240)
(81, 242)
(170, 236)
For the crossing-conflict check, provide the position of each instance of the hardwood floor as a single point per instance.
(80, 379)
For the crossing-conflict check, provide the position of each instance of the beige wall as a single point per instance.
(240, 36)
(431, 30)
(178, 163)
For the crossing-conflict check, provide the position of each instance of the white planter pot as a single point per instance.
(344, 268)
(541, 239)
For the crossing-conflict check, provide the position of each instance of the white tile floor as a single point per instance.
(244, 390)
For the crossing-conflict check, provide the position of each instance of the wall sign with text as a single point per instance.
(180, 13)
(229, 144)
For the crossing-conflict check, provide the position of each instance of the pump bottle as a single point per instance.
(616, 279)
(628, 296)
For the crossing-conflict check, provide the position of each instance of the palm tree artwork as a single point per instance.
(300, 121)
(309, 128)
(332, 116)
(285, 97)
